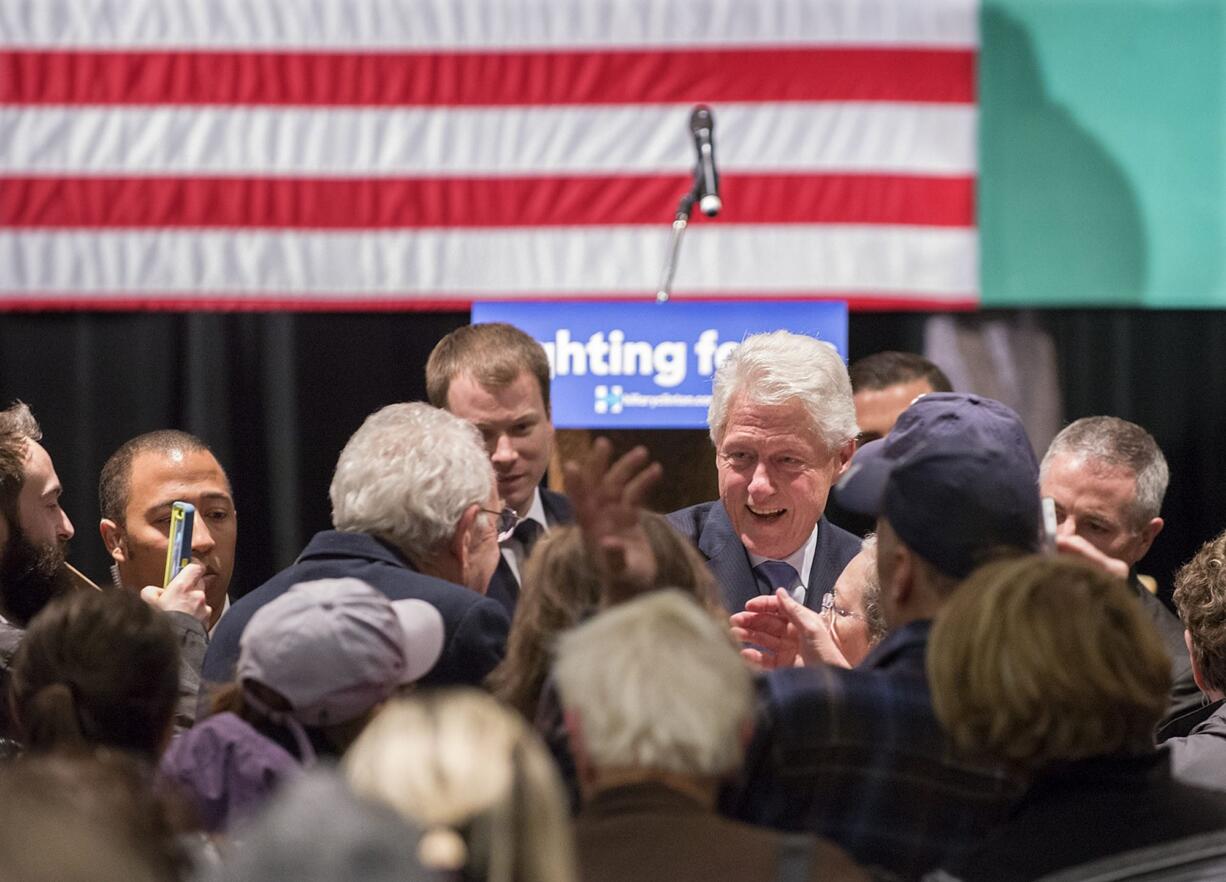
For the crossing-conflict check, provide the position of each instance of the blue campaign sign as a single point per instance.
(619, 365)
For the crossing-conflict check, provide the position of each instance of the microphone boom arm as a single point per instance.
(680, 222)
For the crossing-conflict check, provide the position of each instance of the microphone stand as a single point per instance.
(684, 209)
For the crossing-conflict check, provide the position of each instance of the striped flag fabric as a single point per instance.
(417, 154)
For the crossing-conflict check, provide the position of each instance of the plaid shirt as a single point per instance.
(858, 756)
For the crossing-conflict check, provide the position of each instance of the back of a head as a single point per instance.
(562, 587)
(96, 669)
(566, 585)
(689, 722)
(957, 480)
(317, 830)
(1041, 660)
(1114, 443)
(493, 353)
(83, 819)
(407, 475)
(115, 480)
(1200, 597)
(472, 775)
(333, 649)
(779, 367)
(891, 368)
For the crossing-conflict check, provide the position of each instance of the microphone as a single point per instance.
(706, 181)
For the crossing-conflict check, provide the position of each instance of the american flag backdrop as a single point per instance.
(398, 154)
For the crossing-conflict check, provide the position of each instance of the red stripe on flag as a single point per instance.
(372, 203)
(489, 78)
(42, 301)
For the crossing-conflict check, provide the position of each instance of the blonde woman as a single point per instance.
(472, 775)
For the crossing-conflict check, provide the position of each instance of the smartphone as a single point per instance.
(179, 548)
(1048, 539)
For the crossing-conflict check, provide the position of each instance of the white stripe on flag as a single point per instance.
(937, 263)
(924, 139)
(482, 24)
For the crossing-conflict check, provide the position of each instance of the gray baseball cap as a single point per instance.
(334, 648)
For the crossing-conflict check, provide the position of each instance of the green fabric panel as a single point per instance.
(1101, 153)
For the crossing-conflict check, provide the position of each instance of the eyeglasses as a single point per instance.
(507, 519)
(842, 612)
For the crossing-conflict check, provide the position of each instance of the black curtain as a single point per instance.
(277, 395)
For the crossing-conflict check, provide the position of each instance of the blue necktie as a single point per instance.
(774, 574)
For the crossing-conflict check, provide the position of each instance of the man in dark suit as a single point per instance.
(784, 426)
(417, 515)
(1107, 478)
(497, 377)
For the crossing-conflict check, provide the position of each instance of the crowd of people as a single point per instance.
(874, 656)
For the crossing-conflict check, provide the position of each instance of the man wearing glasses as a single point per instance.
(417, 514)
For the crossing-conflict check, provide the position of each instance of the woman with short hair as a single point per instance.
(1051, 666)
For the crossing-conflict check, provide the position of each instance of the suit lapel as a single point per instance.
(557, 507)
(727, 558)
(503, 587)
(827, 566)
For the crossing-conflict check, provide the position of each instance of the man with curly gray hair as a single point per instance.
(783, 424)
(416, 515)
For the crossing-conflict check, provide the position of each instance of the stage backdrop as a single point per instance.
(371, 154)
(378, 154)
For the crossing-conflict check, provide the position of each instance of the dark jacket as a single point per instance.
(1082, 811)
(859, 757)
(1184, 696)
(650, 833)
(475, 627)
(504, 588)
(193, 644)
(708, 526)
(1200, 758)
(10, 641)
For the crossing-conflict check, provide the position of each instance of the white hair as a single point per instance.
(1113, 442)
(779, 367)
(658, 685)
(870, 594)
(407, 475)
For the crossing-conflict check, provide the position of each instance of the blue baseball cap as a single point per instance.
(957, 479)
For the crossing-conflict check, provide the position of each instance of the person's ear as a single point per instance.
(845, 454)
(115, 539)
(578, 749)
(902, 575)
(746, 733)
(462, 544)
(1147, 536)
(1197, 677)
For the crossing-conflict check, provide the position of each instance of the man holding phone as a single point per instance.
(140, 484)
(137, 490)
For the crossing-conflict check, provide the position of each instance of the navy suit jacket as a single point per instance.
(475, 628)
(503, 586)
(708, 526)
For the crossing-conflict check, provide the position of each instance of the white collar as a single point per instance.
(536, 511)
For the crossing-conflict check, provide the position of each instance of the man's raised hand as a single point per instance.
(185, 594)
